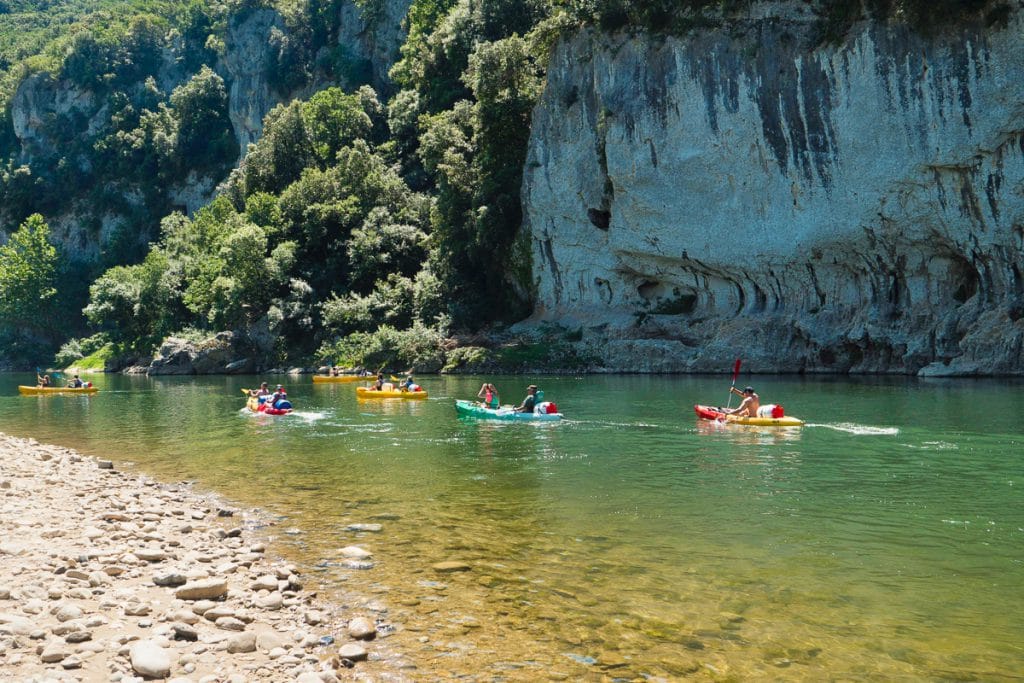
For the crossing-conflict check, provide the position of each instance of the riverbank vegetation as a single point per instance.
(362, 226)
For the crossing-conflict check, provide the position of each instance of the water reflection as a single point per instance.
(748, 435)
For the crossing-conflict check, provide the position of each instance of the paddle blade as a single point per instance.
(736, 370)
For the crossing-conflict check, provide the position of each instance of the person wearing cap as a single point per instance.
(529, 402)
(278, 394)
(748, 407)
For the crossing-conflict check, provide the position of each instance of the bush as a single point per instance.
(420, 347)
(77, 349)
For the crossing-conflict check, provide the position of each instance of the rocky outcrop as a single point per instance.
(41, 99)
(217, 355)
(374, 38)
(245, 61)
(848, 209)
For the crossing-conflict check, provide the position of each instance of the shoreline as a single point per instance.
(108, 575)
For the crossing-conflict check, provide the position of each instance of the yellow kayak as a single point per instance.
(370, 392)
(320, 379)
(37, 391)
(716, 414)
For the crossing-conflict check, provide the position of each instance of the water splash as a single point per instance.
(859, 430)
(310, 415)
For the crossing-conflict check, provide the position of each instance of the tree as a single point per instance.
(28, 269)
(138, 305)
(334, 120)
(205, 136)
(280, 156)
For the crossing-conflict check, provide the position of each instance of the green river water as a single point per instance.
(884, 540)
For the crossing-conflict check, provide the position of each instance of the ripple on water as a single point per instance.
(859, 430)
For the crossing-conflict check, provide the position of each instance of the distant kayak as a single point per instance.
(370, 392)
(37, 391)
(283, 406)
(324, 379)
(473, 409)
(716, 415)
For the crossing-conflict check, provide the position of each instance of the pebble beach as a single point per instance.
(108, 575)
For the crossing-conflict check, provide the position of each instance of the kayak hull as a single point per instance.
(714, 414)
(334, 379)
(471, 409)
(40, 391)
(370, 392)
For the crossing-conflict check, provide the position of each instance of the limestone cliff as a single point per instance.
(857, 208)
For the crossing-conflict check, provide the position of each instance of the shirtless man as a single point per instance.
(751, 402)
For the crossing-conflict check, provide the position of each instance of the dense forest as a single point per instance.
(363, 227)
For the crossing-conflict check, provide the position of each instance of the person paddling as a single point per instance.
(529, 402)
(748, 407)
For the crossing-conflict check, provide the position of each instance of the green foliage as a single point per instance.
(283, 152)
(334, 120)
(205, 136)
(418, 347)
(478, 151)
(468, 359)
(88, 353)
(28, 269)
(137, 305)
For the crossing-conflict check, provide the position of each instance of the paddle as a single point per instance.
(735, 374)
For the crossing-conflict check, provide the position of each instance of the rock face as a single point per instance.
(217, 355)
(245, 62)
(373, 39)
(848, 209)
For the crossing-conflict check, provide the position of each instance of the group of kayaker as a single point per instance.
(489, 396)
(407, 384)
(265, 394)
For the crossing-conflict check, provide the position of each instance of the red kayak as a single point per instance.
(256, 406)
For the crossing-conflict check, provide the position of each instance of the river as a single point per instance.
(883, 540)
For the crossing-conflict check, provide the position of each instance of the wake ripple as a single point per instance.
(310, 415)
(859, 430)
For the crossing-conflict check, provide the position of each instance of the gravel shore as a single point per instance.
(110, 576)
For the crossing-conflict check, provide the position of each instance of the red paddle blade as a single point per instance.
(736, 370)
